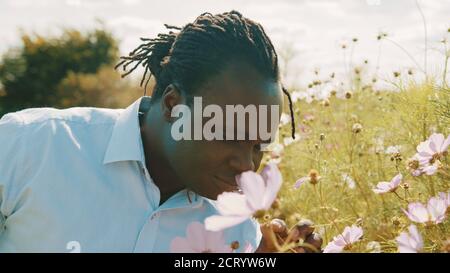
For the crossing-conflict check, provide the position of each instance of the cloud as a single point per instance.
(313, 28)
(130, 29)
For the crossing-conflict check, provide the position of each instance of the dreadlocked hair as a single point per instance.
(188, 56)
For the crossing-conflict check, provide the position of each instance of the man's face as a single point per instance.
(209, 167)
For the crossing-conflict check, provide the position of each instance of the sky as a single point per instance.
(308, 33)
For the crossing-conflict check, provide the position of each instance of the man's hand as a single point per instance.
(299, 239)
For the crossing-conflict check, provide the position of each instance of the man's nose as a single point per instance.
(242, 161)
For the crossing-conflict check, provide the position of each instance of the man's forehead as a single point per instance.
(271, 95)
(239, 83)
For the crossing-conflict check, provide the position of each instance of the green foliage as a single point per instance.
(31, 73)
(104, 89)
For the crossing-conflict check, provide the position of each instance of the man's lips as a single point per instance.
(227, 183)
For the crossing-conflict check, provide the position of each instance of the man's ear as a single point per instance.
(170, 97)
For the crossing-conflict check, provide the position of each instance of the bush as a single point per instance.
(31, 73)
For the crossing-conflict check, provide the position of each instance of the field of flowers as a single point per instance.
(369, 166)
(345, 150)
(370, 163)
(370, 169)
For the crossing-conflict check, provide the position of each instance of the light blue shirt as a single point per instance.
(76, 179)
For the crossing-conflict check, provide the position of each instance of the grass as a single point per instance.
(405, 117)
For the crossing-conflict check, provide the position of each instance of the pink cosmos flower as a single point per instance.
(445, 197)
(431, 169)
(258, 194)
(344, 240)
(413, 165)
(384, 187)
(434, 146)
(200, 240)
(410, 242)
(433, 213)
(432, 150)
(313, 177)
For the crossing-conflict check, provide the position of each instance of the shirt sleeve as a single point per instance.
(11, 154)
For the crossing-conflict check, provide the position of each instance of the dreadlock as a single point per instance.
(188, 56)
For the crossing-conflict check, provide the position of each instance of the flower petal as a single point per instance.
(436, 141)
(417, 212)
(395, 182)
(410, 242)
(415, 236)
(215, 242)
(424, 148)
(219, 222)
(436, 209)
(430, 169)
(355, 233)
(333, 248)
(404, 244)
(233, 203)
(253, 187)
(445, 145)
(299, 182)
(382, 187)
(272, 176)
(180, 245)
(195, 235)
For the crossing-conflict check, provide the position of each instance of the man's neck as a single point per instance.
(163, 178)
(161, 173)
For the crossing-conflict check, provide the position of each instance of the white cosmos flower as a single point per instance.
(391, 186)
(410, 242)
(258, 193)
(433, 213)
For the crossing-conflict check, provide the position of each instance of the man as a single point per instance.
(104, 180)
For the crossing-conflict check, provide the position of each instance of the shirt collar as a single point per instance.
(125, 143)
(181, 200)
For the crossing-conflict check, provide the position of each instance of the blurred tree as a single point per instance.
(106, 88)
(30, 75)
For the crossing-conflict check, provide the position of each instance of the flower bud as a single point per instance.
(326, 102)
(234, 245)
(313, 176)
(396, 221)
(276, 203)
(322, 137)
(356, 128)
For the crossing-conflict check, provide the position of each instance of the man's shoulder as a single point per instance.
(78, 115)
